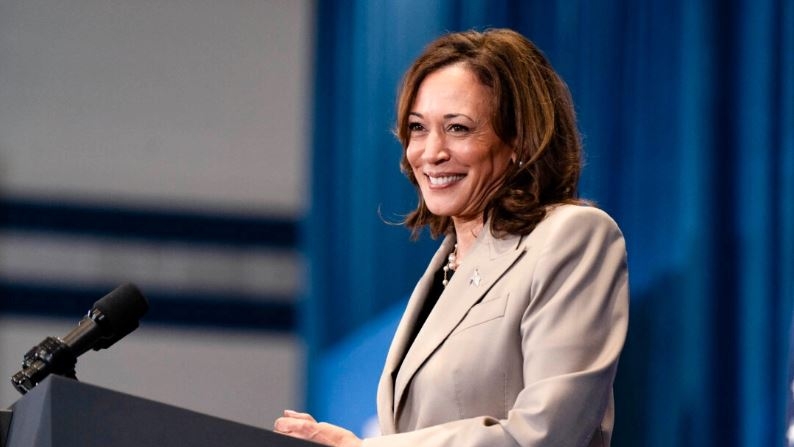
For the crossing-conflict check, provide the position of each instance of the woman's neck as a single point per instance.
(466, 233)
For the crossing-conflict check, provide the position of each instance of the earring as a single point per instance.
(513, 160)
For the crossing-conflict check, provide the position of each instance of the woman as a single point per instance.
(512, 335)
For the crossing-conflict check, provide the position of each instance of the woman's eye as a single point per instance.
(415, 127)
(458, 128)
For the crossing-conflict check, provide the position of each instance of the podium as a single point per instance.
(62, 412)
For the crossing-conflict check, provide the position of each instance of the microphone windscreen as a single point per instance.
(121, 309)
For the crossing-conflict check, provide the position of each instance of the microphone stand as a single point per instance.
(51, 356)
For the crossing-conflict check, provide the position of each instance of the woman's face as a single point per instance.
(454, 153)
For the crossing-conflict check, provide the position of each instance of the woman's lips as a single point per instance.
(442, 180)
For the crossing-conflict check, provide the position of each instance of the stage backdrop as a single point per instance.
(686, 112)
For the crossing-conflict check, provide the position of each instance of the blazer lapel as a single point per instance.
(404, 330)
(489, 259)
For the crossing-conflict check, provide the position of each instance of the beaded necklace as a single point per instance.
(452, 264)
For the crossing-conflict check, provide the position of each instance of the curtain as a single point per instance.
(686, 110)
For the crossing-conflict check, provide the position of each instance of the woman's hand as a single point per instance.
(303, 426)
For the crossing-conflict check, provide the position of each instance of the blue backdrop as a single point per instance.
(687, 112)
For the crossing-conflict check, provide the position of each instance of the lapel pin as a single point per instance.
(475, 278)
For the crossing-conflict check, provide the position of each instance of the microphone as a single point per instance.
(110, 319)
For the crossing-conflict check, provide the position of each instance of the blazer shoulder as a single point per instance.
(577, 212)
(575, 225)
(581, 216)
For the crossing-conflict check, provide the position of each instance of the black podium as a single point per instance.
(62, 412)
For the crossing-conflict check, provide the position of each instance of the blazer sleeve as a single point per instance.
(572, 332)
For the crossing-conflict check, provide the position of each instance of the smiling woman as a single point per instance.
(455, 155)
(512, 335)
(527, 106)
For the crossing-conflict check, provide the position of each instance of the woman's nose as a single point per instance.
(436, 149)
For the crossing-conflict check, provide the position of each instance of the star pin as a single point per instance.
(475, 278)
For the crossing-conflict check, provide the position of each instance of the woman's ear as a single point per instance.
(514, 156)
(515, 160)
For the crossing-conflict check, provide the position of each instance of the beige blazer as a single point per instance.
(522, 346)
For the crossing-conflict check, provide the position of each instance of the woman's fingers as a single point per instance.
(298, 415)
(304, 426)
(297, 424)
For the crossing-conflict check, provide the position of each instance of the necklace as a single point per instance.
(452, 264)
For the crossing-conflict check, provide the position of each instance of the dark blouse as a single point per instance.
(432, 298)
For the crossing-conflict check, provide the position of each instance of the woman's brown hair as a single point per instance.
(533, 112)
